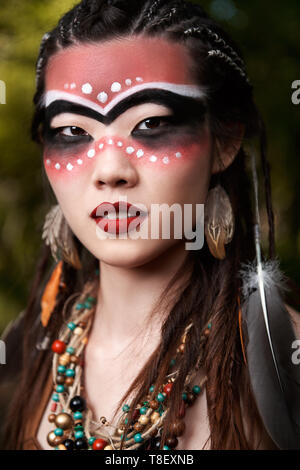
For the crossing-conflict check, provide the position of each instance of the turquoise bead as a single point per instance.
(87, 305)
(71, 326)
(172, 362)
(61, 369)
(143, 410)
(166, 448)
(160, 397)
(126, 420)
(78, 415)
(196, 389)
(55, 397)
(79, 306)
(70, 373)
(78, 434)
(60, 388)
(209, 326)
(184, 396)
(91, 299)
(70, 350)
(138, 437)
(58, 431)
(91, 440)
(151, 389)
(126, 408)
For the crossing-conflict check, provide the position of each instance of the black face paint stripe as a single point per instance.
(194, 108)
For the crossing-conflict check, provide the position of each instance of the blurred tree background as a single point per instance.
(268, 34)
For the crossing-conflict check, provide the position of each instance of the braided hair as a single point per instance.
(219, 66)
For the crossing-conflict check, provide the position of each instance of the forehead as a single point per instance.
(99, 71)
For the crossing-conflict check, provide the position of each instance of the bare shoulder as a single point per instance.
(295, 318)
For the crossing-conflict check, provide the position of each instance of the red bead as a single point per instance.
(58, 346)
(53, 406)
(168, 388)
(99, 444)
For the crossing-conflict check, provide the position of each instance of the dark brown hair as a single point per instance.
(230, 100)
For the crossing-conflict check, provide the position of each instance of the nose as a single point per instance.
(114, 168)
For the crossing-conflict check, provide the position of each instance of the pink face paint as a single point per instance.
(138, 154)
(100, 77)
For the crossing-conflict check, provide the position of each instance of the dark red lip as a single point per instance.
(117, 226)
(104, 207)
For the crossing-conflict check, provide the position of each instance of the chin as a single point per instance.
(130, 253)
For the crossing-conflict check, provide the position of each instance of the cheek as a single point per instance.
(184, 153)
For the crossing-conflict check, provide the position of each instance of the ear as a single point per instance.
(226, 153)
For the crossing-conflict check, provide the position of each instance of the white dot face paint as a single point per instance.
(79, 161)
(57, 166)
(153, 158)
(129, 150)
(139, 153)
(128, 82)
(91, 153)
(69, 167)
(87, 88)
(116, 86)
(102, 97)
(178, 155)
(165, 160)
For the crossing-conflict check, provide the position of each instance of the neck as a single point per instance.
(126, 299)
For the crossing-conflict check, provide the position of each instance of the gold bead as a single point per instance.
(154, 417)
(181, 348)
(138, 427)
(61, 447)
(143, 419)
(64, 421)
(51, 438)
(64, 359)
(78, 331)
(51, 418)
(108, 448)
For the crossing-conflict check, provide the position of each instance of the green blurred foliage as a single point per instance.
(267, 33)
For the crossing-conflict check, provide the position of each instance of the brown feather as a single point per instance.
(48, 301)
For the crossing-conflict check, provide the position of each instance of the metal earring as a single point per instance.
(58, 235)
(219, 221)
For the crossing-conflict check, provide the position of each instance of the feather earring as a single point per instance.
(219, 221)
(269, 336)
(57, 235)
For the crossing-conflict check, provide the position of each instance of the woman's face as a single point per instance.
(125, 120)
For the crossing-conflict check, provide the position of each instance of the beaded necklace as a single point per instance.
(75, 429)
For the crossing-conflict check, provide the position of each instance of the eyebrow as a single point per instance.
(193, 107)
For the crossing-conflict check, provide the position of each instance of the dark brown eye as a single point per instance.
(72, 131)
(151, 123)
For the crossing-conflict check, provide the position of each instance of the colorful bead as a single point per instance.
(77, 403)
(55, 397)
(91, 440)
(78, 331)
(81, 444)
(209, 326)
(168, 388)
(64, 421)
(78, 434)
(160, 397)
(99, 444)
(172, 362)
(60, 388)
(143, 420)
(71, 326)
(77, 415)
(153, 404)
(166, 448)
(64, 359)
(70, 372)
(58, 346)
(143, 410)
(69, 381)
(196, 389)
(126, 408)
(138, 437)
(58, 432)
(53, 407)
(171, 442)
(79, 306)
(91, 299)
(184, 396)
(154, 417)
(70, 350)
(61, 369)
(87, 304)
(69, 444)
(51, 418)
